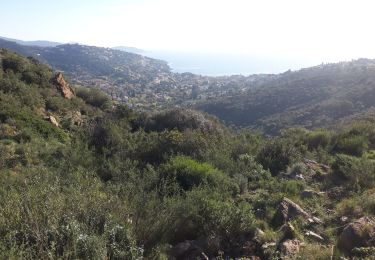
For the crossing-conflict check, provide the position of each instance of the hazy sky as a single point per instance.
(315, 29)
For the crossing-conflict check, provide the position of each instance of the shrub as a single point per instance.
(208, 213)
(189, 173)
(94, 97)
(14, 62)
(276, 155)
(318, 138)
(353, 145)
(181, 119)
(357, 172)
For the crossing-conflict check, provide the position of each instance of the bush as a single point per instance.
(181, 119)
(319, 138)
(121, 244)
(14, 62)
(357, 172)
(189, 173)
(354, 145)
(276, 155)
(207, 213)
(94, 97)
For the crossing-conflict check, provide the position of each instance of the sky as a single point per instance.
(319, 30)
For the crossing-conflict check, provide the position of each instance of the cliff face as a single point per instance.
(63, 87)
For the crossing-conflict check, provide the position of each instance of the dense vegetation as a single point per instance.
(319, 96)
(109, 182)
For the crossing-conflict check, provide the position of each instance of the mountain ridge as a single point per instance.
(318, 96)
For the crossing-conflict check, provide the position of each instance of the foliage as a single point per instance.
(189, 173)
(126, 185)
(94, 97)
(358, 172)
(276, 155)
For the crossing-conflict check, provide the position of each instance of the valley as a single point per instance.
(320, 96)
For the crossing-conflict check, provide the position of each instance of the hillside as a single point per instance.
(321, 96)
(312, 97)
(140, 82)
(85, 178)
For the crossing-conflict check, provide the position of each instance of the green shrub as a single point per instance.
(94, 97)
(121, 244)
(189, 173)
(276, 155)
(353, 145)
(318, 138)
(357, 172)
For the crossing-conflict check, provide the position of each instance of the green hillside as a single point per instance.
(319, 96)
(85, 178)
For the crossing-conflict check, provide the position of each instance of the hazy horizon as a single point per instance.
(278, 35)
(214, 64)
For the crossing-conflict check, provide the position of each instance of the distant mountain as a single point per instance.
(33, 43)
(94, 66)
(129, 49)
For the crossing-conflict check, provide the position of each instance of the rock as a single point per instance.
(320, 171)
(314, 236)
(52, 120)
(315, 220)
(344, 219)
(311, 193)
(289, 247)
(299, 177)
(258, 233)
(314, 165)
(75, 118)
(268, 245)
(62, 86)
(360, 233)
(289, 210)
(188, 249)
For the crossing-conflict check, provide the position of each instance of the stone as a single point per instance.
(314, 236)
(311, 194)
(288, 210)
(52, 120)
(63, 87)
(344, 219)
(75, 118)
(360, 233)
(290, 247)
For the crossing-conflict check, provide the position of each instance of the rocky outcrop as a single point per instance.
(75, 118)
(63, 87)
(314, 165)
(288, 210)
(52, 120)
(289, 247)
(360, 233)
